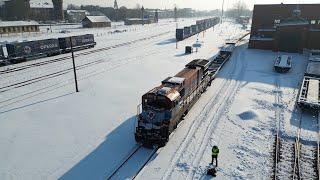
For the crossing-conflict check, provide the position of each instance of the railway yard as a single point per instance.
(48, 131)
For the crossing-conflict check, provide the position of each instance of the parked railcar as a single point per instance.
(20, 51)
(194, 29)
(1, 52)
(200, 26)
(163, 107)
(283, 64)
(2, 58)
(78, 42)
(309, 93)
(314, 55)
(218, 62)
(179, 34)
(313, 69)
(187, 31)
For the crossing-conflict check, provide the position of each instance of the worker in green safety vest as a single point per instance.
(215, 153)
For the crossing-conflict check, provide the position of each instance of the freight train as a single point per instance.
(200, 26)
(165, 106)
(21, 51)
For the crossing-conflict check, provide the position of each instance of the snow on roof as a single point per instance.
(313, 68)
(98, 18)
(41, 4)
(164, 90)
(18, 23)
(77, 11)
(176, 80)
(284, 61)
(313, 91)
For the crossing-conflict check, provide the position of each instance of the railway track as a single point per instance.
(283, 151)
(297, 147)
(298, 159)
(307, 154)
(20, 68)
(133, 163)
(45, 77)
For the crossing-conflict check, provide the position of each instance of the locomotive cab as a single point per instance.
(158, 107)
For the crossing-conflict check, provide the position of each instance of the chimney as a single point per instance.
(58, 10)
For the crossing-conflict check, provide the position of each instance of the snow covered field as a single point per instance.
(47, 131)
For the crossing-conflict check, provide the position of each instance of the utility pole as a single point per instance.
(156, 16)
(222, 11)
(74, 65)
(116, 8)
(175, 11)
(142, 15)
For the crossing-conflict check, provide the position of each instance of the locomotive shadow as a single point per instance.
(105, 158)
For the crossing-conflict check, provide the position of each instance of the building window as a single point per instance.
(313, 22)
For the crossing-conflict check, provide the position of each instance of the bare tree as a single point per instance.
(240, 8)
(138, 6)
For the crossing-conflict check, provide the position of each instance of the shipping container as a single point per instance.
(78, 42)
(200, 26)
(194, 29)
(187, 31)
(179, 34)
(33, 48)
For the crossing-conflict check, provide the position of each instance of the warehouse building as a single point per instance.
(285, 27)
(96, 21)
(7, 27)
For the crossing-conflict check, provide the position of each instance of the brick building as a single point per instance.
(285, 27)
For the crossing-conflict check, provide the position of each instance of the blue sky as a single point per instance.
(196, 4)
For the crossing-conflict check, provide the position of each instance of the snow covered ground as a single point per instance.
(238, 114)
(47, 131)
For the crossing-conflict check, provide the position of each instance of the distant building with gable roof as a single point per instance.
(96, 21)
